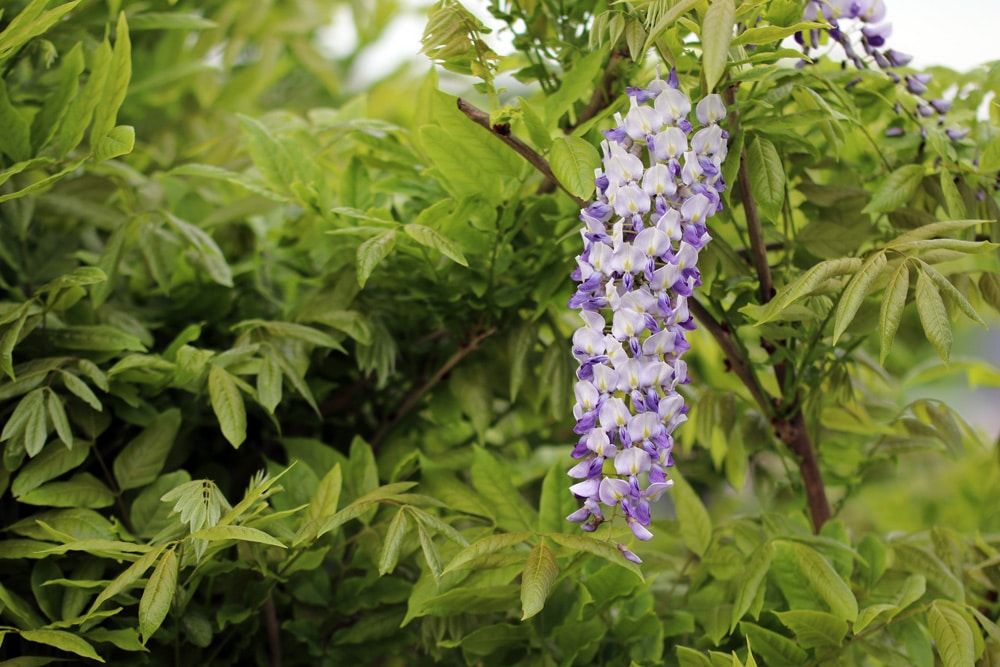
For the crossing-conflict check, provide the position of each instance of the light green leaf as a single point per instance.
(857, 290)
(716, 34)
(695, 523)
(536, 126)
(170, 21)
(393, 543)
(753, 578)
(805, 576)
(573, 85)
(327, 496)
(15, 140)
(269, 155)
(989, 287)
(94, 337)
(767, 175)
(64, 641)
(239, 533)
(10, 338)
(803, 286)
(876, 613)
(431, 554)
(115, 85)
(573, 161)
(952, 635)
(209, 255)
(556, 502)
(372, 252)
(688, 657)
(57, 414)
(896, 190)
(774, 648)
(269, 384)
(32, 403)
(142, 459)
(933, 315)
(81, 390)
(432, 238)
(600, 548)
(127, 578)
(492, 480)
(227, 403)
(946, 287)
(485, 547)
(814, 629)
(53, 461)
(772, 33)
(892, 308)
(920, 561)
(82, 490)
(667, 20)
(540, 572)
(158, 595)
(119, 141)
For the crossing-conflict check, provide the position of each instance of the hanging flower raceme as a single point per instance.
(661, 181)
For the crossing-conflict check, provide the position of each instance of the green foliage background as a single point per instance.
(286, 375)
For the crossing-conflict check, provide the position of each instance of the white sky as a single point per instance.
(960, 34)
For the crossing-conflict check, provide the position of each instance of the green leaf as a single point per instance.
(269, 384)
(142, 459)
(394, 537)
(537, 130)
(57, 415)
(26, 419)
(803, 286)
(667, 21)
(54, 460)
(227, 403)
(857, 290)
(695, 523)
(209, 255)
(688, 657)
(933, 315)
(170, 21)
(327, 496)
(10, 338)
(945, 286)
(492, 480)
(81, 390)
(64, 641)
(521, 345)
(896, 190)
(556, 502)
(573, 161)
(891, 312)
(540, 572)
(431, 554)
(876, 613)
(432, 238)
(767, 175)
(94, 337)
(769, 34)
(952, 635)
(485, 547)
(82, 490)
(754, 577)
(239, 533)
(372, 252)
(807, 579)
(119, 141)
(271, 157)
(158, 595)
(15, 140)
(30, 23)
(814, 629)
(128, 578)
(115, 85)
(774, 648)
(601, 548)
(574, 84)
(716, 34)
(920, 561)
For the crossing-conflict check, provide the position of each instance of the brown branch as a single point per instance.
(482, 118)
(414, 398)
(738, 362)
(273, 631)
(758, 249)
(791, 429)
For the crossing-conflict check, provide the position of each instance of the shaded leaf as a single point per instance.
(540, 572)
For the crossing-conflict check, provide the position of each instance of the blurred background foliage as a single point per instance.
(226, 249)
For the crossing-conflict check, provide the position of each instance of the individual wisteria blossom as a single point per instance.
(874, 34)
(661, 181)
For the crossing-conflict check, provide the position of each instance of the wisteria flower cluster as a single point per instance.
(661, 181)
(874, 36)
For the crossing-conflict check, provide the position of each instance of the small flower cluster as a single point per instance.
(660, 182)
(874, 34)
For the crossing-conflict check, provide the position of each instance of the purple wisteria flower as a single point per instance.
(661, 181)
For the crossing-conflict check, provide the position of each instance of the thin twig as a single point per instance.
(414, 398)
(482, 118)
